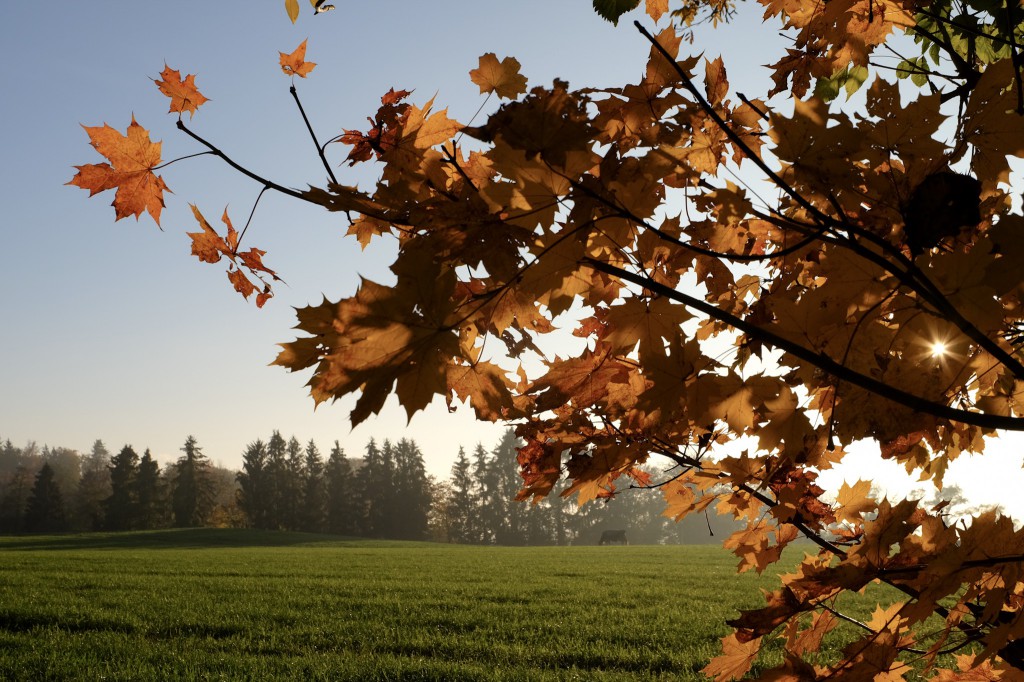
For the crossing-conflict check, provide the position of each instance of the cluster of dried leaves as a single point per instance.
(616, 202)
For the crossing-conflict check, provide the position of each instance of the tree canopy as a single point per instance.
(753, 284)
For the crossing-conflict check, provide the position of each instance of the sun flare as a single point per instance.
(939, 349)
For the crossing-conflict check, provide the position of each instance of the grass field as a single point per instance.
(228, 604)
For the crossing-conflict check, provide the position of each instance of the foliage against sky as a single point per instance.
(880, 280)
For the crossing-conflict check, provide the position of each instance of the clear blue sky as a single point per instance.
(113, 330)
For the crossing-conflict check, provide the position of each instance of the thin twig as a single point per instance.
(309, 127)
(251, 214)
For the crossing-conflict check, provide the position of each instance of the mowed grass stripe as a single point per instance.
(228, 604)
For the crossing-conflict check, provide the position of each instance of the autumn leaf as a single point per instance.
(735, 659)
(183, 93)
(132, 157)
(295, 64)
(292, 7)
(716, 82)
(501, 77)
(854, 501)
(209, 247)
(656, 8)
(384, 132)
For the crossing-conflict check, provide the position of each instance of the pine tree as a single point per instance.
(253, 484)
(376, 485)
(410, 504)
(314, 493)
(14, 495)
(344, 502)
(191, 493)
(45, 510)
(512, 528)
(461, 512)
(120, 509)
(488, 513)
(93, 487)
(293, 485)
(149, 493)
(276, 477)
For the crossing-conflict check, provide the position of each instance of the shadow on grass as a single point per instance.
(178, 538)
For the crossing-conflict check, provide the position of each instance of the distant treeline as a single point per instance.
(284, 485)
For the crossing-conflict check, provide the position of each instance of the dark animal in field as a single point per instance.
(613, 537)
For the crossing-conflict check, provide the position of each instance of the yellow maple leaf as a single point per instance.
(502, 78)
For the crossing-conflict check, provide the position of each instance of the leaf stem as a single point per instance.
(251, 214)
(180, 158)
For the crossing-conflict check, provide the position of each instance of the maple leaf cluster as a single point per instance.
(132, 162)
(746, 342)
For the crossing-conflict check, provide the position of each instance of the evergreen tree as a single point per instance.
(314, 492)
(461, 511)
(44, 512)
(293, 485)
(120, 509)
(276, 479)
(149, 493)
(191, 491)
(489, 511)
(14, 496)
(253, 485)
(376, 486)
(93, 487)
(410, 503)
(512, 528)
(10, 458)
(343, 499)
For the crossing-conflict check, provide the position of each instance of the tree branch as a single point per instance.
(820, 360)
(244, 171)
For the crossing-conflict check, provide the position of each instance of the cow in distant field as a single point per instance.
(613, 537)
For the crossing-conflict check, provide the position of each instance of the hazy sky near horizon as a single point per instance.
(114, 331)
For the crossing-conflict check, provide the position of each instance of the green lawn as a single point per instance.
(226, 604)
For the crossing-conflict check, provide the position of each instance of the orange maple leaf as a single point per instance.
(502, 77)
(133, 157)
(183, 93)
(295, 64)
(210, 247)
(656, 8)
(735, 659)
